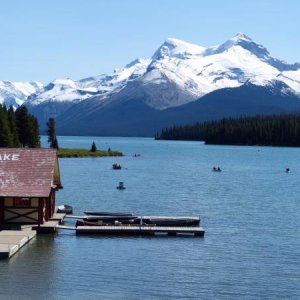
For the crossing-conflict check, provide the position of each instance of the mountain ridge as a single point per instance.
(177, 74)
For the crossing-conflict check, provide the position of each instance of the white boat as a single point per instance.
(65, 209)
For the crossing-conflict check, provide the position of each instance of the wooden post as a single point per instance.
(1, 210)
(52, 202)
(41, 208)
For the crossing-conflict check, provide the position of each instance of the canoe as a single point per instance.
(106, 213)
(104, 223)
(109, 218)
(170, 221)
(116, 167)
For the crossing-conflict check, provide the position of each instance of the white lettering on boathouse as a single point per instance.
(9, 156)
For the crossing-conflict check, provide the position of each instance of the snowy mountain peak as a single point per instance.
(177, 48)
(15, 93)
(241, 37)
(178, 72)
(131, 64)
(64, 83)
(242, 41)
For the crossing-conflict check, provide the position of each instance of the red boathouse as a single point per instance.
(29, 179)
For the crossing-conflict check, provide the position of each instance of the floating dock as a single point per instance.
(11, 241)
(136, 230)
(166, 225)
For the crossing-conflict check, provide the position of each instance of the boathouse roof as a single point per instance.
(26, 172)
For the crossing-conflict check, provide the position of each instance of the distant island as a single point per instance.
(276, 130)
(63, 153)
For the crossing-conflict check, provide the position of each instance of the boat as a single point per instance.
(217, 169)
(106, 213)
(116, 167)
(109, 218)
(121, 186)
(65, 209)
(170, 221)
(83, 222)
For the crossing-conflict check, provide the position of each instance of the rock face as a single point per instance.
(149, 94)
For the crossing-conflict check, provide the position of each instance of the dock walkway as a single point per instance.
(11, 241)
(140, 230)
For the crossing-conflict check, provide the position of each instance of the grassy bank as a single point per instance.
(86, 153)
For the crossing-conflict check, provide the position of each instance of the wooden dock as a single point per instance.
(51, 225)
(58, 217)
(140, 230)
(11, 241)
(47, 227)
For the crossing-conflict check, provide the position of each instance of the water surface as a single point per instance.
(250, 212)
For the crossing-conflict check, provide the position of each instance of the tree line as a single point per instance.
(18, 128)
(277, 130)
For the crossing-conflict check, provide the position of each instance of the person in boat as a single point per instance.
(217, 169)
(121, 186)
(116, 166)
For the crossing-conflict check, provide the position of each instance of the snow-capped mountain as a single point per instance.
(62, 90)
(15, 93)
(178, 73)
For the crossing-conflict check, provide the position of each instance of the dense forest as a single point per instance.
(279, 130)
(18, 128)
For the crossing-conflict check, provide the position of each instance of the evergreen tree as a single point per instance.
(5, 134)
(34, 133)
(55, 144)
(18, 128)
(23, 125)
(13, 127)
(52, 139)
(93, 147)
(279, 130)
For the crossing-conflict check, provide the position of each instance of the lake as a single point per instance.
(250, 212)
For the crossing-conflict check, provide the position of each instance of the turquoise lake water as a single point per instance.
(250, 212)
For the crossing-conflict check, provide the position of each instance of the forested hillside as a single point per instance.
(18, 128)
(283, 130)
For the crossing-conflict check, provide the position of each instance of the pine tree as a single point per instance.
(34, 133)
(55, 144)
(28, 128)
(11, 116)
(5, 134)
(23, 125)
(93, 147)
(52, 139)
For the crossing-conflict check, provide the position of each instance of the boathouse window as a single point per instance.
(22, 202)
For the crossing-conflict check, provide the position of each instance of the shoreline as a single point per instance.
(70, 153)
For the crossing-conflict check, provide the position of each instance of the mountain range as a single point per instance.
(181, 83)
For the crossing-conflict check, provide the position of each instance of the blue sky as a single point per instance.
(45, 40)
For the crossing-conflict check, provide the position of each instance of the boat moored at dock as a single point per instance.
(109, 219)
(66, 209)
(170, 221)
(106, 213)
